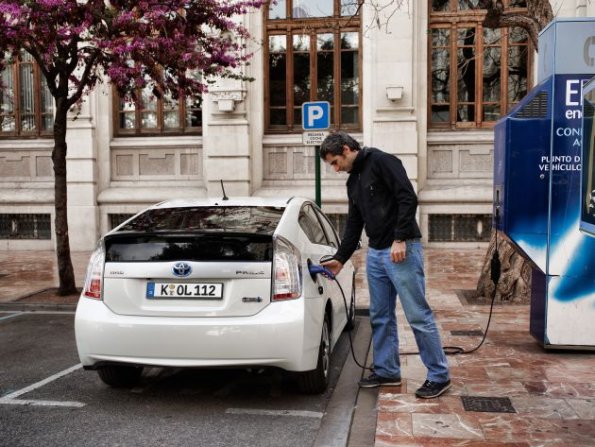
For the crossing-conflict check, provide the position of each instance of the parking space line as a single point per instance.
(11, 316)
(255, 411)
(10, 399)
(47, 312)
(41, 403)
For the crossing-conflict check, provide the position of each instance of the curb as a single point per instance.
(36, 307)
(336, 425)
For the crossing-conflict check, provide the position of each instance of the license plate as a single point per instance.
(208, 291)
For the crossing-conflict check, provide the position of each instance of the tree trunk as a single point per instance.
(514, 286)
(65, 271)
(515, 281)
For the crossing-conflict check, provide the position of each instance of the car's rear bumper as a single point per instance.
(278, 336)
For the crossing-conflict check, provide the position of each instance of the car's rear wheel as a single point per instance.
(316, 380)
(120, 376)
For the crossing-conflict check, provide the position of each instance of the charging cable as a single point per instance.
(314, 270)
(495, 272)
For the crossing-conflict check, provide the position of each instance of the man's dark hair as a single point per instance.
(333, 144)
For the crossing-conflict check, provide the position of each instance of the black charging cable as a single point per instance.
(349, 333)
(319, 269)
(495, 273)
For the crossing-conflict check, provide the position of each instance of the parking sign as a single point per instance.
(316, 115)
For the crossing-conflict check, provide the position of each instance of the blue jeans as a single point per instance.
(386, 280)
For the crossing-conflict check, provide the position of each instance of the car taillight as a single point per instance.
(94, 276)
(287, 270)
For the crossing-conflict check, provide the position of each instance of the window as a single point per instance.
(25, 226)
(311, 226)
(317, 227)
(477, 74)
(26, 105)
(230, 219)
(331, 234)
(150, 115)
(312, 54)
(460, 227)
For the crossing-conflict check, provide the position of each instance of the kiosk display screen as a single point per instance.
(588, 160)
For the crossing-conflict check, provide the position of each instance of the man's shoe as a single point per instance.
(432, 389)
(374, 380)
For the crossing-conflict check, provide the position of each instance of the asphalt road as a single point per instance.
(47, 399)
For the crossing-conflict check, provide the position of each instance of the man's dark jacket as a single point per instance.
(382, 199)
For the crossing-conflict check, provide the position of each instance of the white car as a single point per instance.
(215, 283)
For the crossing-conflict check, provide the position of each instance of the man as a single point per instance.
(382, 199)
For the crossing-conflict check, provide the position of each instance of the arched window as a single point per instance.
(312, 54)
(26, 105)
(476, 74)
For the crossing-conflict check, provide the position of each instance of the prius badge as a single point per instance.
(181, 269)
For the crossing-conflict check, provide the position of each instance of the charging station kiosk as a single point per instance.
(538, 160)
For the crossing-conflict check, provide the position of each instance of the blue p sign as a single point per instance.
(316, 115)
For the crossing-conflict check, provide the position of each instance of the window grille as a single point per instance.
(25, 226)
(459, 227)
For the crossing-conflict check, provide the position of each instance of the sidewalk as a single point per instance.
(29, 277)
(552, 394)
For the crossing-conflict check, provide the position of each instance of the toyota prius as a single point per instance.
(215, 283)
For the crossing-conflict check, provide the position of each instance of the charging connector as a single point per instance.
(315, 269)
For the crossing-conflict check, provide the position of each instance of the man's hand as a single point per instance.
(333, 265)
(398, 251)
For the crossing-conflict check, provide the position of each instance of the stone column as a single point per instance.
(83, 219)
(226, 140)
(392, 85)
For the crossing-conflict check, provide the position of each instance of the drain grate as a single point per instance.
(471, 333)
(488, 404)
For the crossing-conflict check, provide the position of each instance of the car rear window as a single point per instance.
(234, 219)
(196, 247)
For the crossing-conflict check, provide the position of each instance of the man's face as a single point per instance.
(343, 162)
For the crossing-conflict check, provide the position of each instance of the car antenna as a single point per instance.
(224, 195)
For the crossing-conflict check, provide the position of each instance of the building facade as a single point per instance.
(422, 80)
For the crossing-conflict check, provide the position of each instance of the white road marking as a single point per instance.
(41, 403)
(48, 312)
(255, 411)
(10, 399)
(11, 316)
(39, 312)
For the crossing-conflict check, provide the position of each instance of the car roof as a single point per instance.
(279, 202)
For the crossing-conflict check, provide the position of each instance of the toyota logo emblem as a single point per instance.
(181, 269)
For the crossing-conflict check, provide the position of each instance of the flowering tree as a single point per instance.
(132, 44)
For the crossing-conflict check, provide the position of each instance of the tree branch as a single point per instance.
(89, 66)
(539, 14)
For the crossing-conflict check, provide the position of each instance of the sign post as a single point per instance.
(316, 118)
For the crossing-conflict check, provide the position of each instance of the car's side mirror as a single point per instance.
(359, 245)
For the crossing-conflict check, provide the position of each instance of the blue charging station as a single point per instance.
(538, 160)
